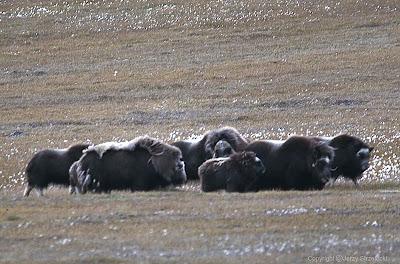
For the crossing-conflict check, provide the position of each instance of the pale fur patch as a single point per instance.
(219, 161)
(102, 148)
(275, 142)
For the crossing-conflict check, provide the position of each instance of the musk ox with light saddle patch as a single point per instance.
(196, 152)
(237, 173)
(139, 165)
(50, 166)
(299, 163)
(351, 156)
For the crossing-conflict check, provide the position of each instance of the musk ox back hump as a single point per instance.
(141, 164)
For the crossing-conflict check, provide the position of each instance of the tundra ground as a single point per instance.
(74, 71)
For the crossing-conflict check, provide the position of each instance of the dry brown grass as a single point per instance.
(72, 71)
(182, 226)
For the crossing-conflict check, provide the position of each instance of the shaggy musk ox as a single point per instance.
(50, 166)
(236, 173)
(223, 149)
(196, 152)
(141, 164)
(351, 156)
(299, 163)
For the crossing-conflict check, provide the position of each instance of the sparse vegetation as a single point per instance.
(73, 71)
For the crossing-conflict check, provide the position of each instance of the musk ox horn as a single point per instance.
(157, 154)
(363, 151)
(334, 169)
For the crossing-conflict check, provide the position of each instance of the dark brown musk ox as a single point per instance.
(351, 156)
(223, 149)
(298, 163)
(235, 173)
(195, 152)
(50, 166)
(141, 164)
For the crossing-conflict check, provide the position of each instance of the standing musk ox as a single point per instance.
(50, 166)
(138, 165)
(299, 163)
(351, 156)
(196, 152)
(234, 174)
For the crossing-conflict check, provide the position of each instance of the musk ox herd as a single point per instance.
(222, 159)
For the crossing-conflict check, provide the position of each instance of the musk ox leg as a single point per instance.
(39, 192)
(28, 190)
(355, 183)
(73, 189)
(330, 182)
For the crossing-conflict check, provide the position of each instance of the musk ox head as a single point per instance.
(166, 160)
(321, 161)
(223, 149)
(249, 163)
(229, 135)
(351, 156)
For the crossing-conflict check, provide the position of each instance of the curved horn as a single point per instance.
(363, 151)
(157, 154)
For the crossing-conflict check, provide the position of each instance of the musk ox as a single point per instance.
(234, 174)
(299, 163)
(141, 164)
(50, 166)
(351, 156)
(196, 152)
(223, 149)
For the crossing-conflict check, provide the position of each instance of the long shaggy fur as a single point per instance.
(300, 163)
(237, 173)
(51, 166)
(195, 153)
(141, 164)
(351, 156)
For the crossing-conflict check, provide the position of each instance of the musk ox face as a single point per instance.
(250, 162)
(169, 163)
(322, 159)
(250, 165)
(223, 149)
(229, 135)
(352, 155)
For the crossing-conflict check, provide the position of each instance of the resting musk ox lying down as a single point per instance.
(141, 164)
(223, 149)
(234, 174)
(196, 152)
(50, 166)
(351, 156)
(299, 163)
